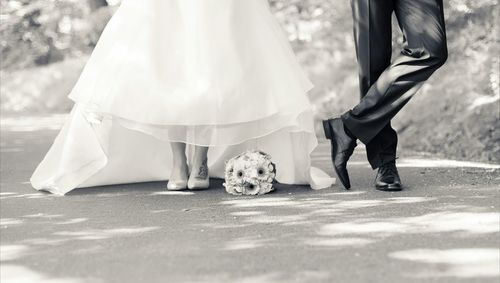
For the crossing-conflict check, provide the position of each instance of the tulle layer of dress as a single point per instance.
(217, 73)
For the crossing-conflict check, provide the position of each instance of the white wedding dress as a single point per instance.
(217, 73)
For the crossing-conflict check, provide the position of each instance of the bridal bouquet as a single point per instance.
(250, 173)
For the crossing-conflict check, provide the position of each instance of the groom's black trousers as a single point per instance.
(386, 87)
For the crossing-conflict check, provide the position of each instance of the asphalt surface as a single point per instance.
(444, 227)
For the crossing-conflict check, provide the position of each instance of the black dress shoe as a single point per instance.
(343, 147)
(388, 178)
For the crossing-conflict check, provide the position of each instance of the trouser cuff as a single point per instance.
(361, 133)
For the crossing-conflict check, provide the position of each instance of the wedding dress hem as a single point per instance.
(91, 144)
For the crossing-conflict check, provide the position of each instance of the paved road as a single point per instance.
(443, 228)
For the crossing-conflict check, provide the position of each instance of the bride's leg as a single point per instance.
(179, 175)
(199, 179)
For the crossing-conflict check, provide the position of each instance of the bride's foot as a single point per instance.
(199, 178)
(178, 179)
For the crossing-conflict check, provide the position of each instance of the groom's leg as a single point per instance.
(373, 38)
(383, 147)
(422, 22)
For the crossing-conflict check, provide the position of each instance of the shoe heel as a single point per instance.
(198, 185)
(328, 129)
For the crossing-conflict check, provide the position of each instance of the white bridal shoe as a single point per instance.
(198, 183)
(178, 185)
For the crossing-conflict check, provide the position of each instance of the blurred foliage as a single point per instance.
(46, 42)
(41, 32)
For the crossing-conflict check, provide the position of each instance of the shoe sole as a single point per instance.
(389, 188)
(177, 190)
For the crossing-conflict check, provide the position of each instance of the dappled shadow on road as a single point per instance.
(119, 190)
(12, 256)
(460, 223)
(18, 273)
(159, 189)
(268, 276)
(460, 263)
(335, 224)
(427, 235)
